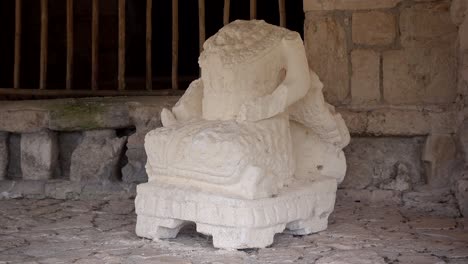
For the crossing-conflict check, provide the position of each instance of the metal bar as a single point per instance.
(95, 45)
(175, 43)
(17, 63)
(43, 52)
(253, 9)
(149, 32)
(69, 74)
(201, 23)
(227, 11)
(64, 92)
(121, 59)
(282, 12)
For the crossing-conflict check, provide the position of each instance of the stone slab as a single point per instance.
(317, 5)
(225, 218)
(78, 114)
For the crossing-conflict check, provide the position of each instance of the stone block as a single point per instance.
(417, 75)
(330, 60)
(317, 5)
(373, 162)
(365, 81)
(39, 155)
(3, 155)
(23, 120)
(97, 157)
(427, 24)
(373, 28)
(398, 122)
(440, 154)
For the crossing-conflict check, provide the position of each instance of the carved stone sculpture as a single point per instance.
(251, 149)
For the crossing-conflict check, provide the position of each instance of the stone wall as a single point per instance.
(391, 68)
(395, 69)
(70, 148)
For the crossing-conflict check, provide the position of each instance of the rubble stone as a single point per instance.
(375, 161)
(39, 155)
(97, 156)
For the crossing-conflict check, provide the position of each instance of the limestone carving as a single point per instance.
(251, 149)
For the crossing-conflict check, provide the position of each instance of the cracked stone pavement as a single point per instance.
(88, 231)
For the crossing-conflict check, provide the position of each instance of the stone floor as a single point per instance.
(56, 231)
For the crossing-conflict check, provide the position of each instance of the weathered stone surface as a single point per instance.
(416, 75)
(352, 257)
(440, 154)
(76, 114)
(3, 155)
(463, 139)
(377, 161)
(329, 61)
(14, 154)
(427, 199)
(401, 182)
(373, 28)
(39, 155)
(145, 120)
(461, 193)
(97, 156)
(22, 189)
(317, 5)
(365, 81)
(102, 231)
(31, 120)
(374, 196)
(68, 141)
(458, 10)
(399, 121)
(427, 24)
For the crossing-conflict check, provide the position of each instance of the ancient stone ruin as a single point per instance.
(82, 83)
(250, 149)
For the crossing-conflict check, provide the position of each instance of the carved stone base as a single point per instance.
(302, 208)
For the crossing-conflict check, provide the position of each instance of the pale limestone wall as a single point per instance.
(398, 71)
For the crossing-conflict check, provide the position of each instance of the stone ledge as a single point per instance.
(389, 120)
(64, 189)
(319, 5)
(77, 114)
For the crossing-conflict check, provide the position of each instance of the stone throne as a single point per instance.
(250, 150)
